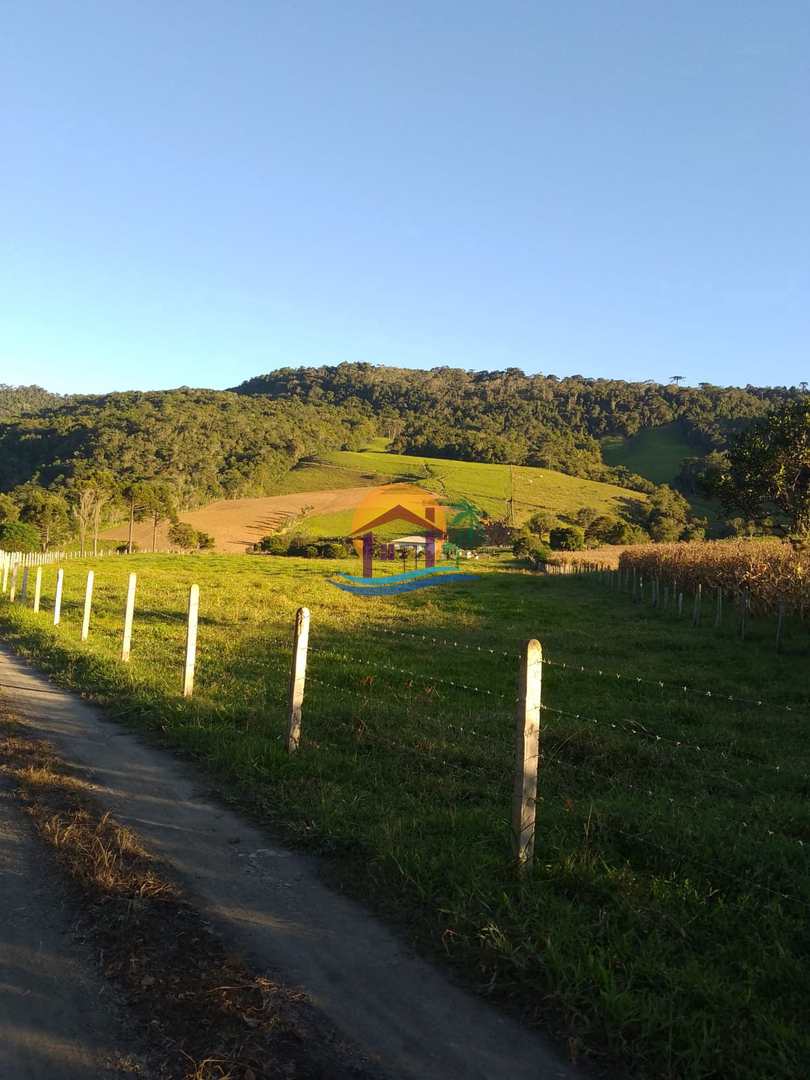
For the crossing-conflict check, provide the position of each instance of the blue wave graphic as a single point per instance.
(401, 587)
(407, 575)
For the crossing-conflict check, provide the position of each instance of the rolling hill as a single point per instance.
(318, 498)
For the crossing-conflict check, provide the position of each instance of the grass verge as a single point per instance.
(664, 925)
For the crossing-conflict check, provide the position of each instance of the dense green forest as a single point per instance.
(207, 444)
(507, 416)
(22, 400)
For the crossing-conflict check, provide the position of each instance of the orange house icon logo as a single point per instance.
(412, 506)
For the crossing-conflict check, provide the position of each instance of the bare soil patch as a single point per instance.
(236, 524)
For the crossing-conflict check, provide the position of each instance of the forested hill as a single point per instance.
(507, 416)
(23, 400)
(207, 444)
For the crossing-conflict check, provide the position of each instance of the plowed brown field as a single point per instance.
(235, 524)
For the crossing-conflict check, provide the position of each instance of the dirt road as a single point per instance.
(269, 903)
(58, 1019)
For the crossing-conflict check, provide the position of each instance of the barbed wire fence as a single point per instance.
(537, 747)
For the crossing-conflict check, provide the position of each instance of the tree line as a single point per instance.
(73, 468)
(510, 417)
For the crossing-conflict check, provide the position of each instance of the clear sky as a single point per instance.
(194, 192)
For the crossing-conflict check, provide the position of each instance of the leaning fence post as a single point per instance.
(527, 753)
(24, 586)
(88, 603)
(57, 599)
(191, 639)
(37, 588)
(298, 674)
(12, 589)
(129, 612)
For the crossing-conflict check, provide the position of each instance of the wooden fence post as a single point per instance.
(12, 588)
(743, 613)
(527, 754)
(57, 599)
(697, 605)
(718, 613)
(191, 640)
(37, 588)
(298, 675)
(780, 619)
(129, 612)
(24, 586)
(88, 603)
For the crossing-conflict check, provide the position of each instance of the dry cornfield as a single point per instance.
(769, 571)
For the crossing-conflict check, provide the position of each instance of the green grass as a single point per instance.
(323, 476)
(651, 930)
(655, 453)
(490, 486)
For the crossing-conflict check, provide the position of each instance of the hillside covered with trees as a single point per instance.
(70, 469)
(23, 400)
(508, 416)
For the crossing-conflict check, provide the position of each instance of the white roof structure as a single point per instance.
(413, 541)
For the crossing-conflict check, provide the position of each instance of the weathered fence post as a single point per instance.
(24, 586)
(697, 605)
(680, 604)
(37, 588)
(129, 612)
(57, 599)
(780, 620)
(6, 568)
(88, 603)
(12, 588)
(191, 639)
(298, 675)
(718, 613)
(743, 613)
(527, 754)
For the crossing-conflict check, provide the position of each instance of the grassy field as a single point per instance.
(489, 487)
(237, 524)
(665, 923)
(656, 453)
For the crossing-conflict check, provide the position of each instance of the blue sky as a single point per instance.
(196, 192)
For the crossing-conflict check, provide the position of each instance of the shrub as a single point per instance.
(586, 516)
(183, 535)
(19, 536)
(599, 530)
(205, 541)
(567, 538)
(333, 550)
(311, 552)
(541, 523)
(273, 545)
(625, 533)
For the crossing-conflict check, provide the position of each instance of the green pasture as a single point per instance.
(664, 927)
(655, 453)
(488, 487)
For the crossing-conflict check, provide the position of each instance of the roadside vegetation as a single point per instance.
(664, 925)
